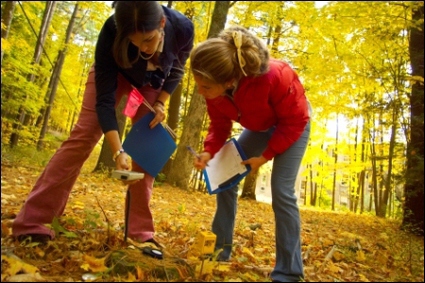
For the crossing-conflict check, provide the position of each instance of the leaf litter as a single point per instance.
(90, 246)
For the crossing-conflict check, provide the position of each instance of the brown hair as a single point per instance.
(217, 59)
(131, 17)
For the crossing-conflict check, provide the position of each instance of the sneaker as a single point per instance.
(34, 238)
(153, 241)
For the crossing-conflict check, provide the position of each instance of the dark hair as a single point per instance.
(131, 17)
(217, 59)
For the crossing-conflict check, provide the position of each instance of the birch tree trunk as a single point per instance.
(54, 80)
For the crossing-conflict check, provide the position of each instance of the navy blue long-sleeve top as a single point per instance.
(178, 42)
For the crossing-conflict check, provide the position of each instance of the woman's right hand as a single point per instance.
(201, 161)
(121, 163)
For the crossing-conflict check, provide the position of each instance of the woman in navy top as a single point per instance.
(143, 45)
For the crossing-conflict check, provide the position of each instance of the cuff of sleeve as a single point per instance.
(269, 154)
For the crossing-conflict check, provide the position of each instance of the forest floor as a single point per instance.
(337, 246)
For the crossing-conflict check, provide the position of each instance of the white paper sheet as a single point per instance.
(225, 165)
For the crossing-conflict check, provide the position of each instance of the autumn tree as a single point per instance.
(413, 217)
(20, 118)
(249, 185)
(54, 80)
(6, 20)
(174, 105)
(105, 161)
(182, 168)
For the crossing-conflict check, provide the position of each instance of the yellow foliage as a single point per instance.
(131, 278)
(5, 45)
(360, 256)
(248, 253)
(326, 242)
(332, 268)
(338, 256)
(381, 257)
(94, 264)
(140, 273)
(363, 278)
(77, 205)
(16, 265)
(250, 263)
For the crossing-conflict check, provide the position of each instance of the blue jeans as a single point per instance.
(289, 266)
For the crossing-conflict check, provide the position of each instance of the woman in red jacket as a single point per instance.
(241, 84)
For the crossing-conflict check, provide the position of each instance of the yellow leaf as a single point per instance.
(332, 267)
(140, 274)
(248, 253)
(223, 267)
(338, 256)
(39, 252)
(131, 277)
(363, 278)
(360, 256)
(383, 236)
(85, 266)
(13, 267)
(78, 205)
(327, 242)
(28, 268)
(16, 265)
(95, 264)
(206, 267)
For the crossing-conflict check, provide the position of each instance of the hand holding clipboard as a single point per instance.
(225, 169)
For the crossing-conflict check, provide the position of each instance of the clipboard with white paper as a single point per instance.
(225, 170)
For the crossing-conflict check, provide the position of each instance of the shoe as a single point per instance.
(34, 238)
(153, 241)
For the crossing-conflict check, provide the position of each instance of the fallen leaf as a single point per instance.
(94, 264)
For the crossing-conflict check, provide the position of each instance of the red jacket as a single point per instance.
(276, 98)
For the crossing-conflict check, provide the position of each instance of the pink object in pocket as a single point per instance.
(133, 102)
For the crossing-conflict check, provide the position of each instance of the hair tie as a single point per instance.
(237, 38)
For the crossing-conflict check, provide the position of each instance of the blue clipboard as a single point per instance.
(149, 148)
(224, 171)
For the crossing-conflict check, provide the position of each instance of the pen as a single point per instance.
(194, 153)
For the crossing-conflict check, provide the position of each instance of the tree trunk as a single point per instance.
(191, 134)
(173, 119)
(47, 19)
(7, 17)
(53, 85)
(312, 199)
(105, 162)
(387, 181)
(48, 14)
(174, 108)
(21, 117)
(335, 164)
(6, 20)
(248, 191)
(413, 216)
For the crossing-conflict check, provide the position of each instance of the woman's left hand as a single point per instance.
(159, 115)
(255, 162)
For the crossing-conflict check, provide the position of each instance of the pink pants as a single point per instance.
(50, 194)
